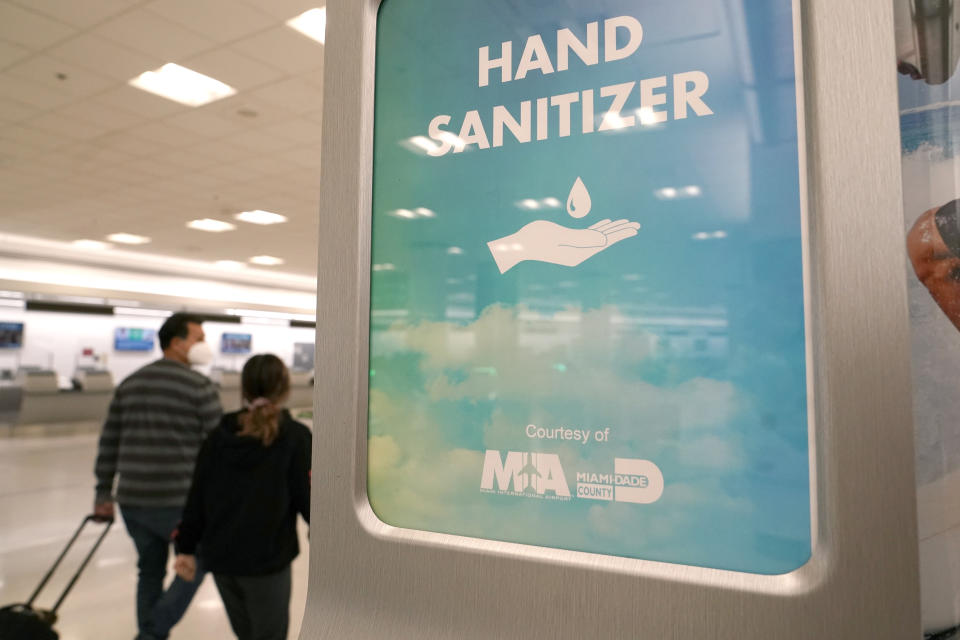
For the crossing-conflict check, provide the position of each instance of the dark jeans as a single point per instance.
(157, 610)
(258, 606)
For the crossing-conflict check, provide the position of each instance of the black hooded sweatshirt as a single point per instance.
(243, 504)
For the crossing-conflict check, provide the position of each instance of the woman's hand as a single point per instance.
(186, 566)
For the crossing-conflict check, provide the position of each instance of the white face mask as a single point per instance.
(200, 354)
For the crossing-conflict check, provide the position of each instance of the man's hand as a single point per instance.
(103, 511)
(186, 567)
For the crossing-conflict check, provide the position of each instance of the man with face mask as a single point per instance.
(158, 419)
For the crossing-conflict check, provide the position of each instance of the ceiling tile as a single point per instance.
(223, 152)
(30, 138)
(250, 112)
(256, 140)
(97, 113)
(187, 158)
(308, 157)
(243, 174)
(295, 94)
(104, 163)
(85, 155)
(203, 180)
(204, 122)
(127, 98)
(10, 53)
(234, 68)
(154, 168)
(215, 181)
(152, 34)
(105, 57)
(314, 75)
(218, 20)
(297, 130)
(127, 142)
(284, 48)
(32, 30)
(279, 203)
(61, 76)
(13, 111)
(277, 168)
(82, 14)
(31, 93)
(61, 125)
(131, 194)
(167, 186)
(286, 9)
(165, 134)
(314, 116)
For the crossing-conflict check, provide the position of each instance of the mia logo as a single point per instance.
(536, 475)
(540, 475)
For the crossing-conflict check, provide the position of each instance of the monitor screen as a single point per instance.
(235, 343)
(129, 339)
(303, 356)
(11, 335)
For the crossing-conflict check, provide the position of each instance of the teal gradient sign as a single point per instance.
(587, 296)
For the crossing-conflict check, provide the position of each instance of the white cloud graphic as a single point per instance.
(484, 382)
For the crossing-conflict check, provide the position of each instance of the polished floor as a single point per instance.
(46, 488)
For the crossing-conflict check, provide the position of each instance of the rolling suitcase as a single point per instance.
(23, 621)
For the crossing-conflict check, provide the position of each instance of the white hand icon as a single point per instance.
(546, 241)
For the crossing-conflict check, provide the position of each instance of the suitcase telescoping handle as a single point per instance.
(83, 565)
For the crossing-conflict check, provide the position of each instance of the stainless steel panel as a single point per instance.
(369, 580)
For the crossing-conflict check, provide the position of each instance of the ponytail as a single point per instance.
(266, 384)
(261, 421)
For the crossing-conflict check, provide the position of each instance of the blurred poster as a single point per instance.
(928, 46)
(587, 318)
(303, 356)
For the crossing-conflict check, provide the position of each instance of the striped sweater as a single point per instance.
(158, 419)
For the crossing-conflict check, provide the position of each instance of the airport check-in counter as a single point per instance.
(228, 383)
(231, 392)
(10, 393)
(42, 401)
(301, 390)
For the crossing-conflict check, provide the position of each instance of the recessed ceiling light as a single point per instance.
(127, 238)
(424, 212)
(267, 261)
(404, 213)
(455, 251)
(182, 85)
(230, 264)
(312, 23)
(91, 244)
(209, 224)
(260, 217)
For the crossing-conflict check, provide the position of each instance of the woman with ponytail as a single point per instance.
(251, 480)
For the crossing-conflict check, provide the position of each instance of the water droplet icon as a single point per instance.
(578, 202)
